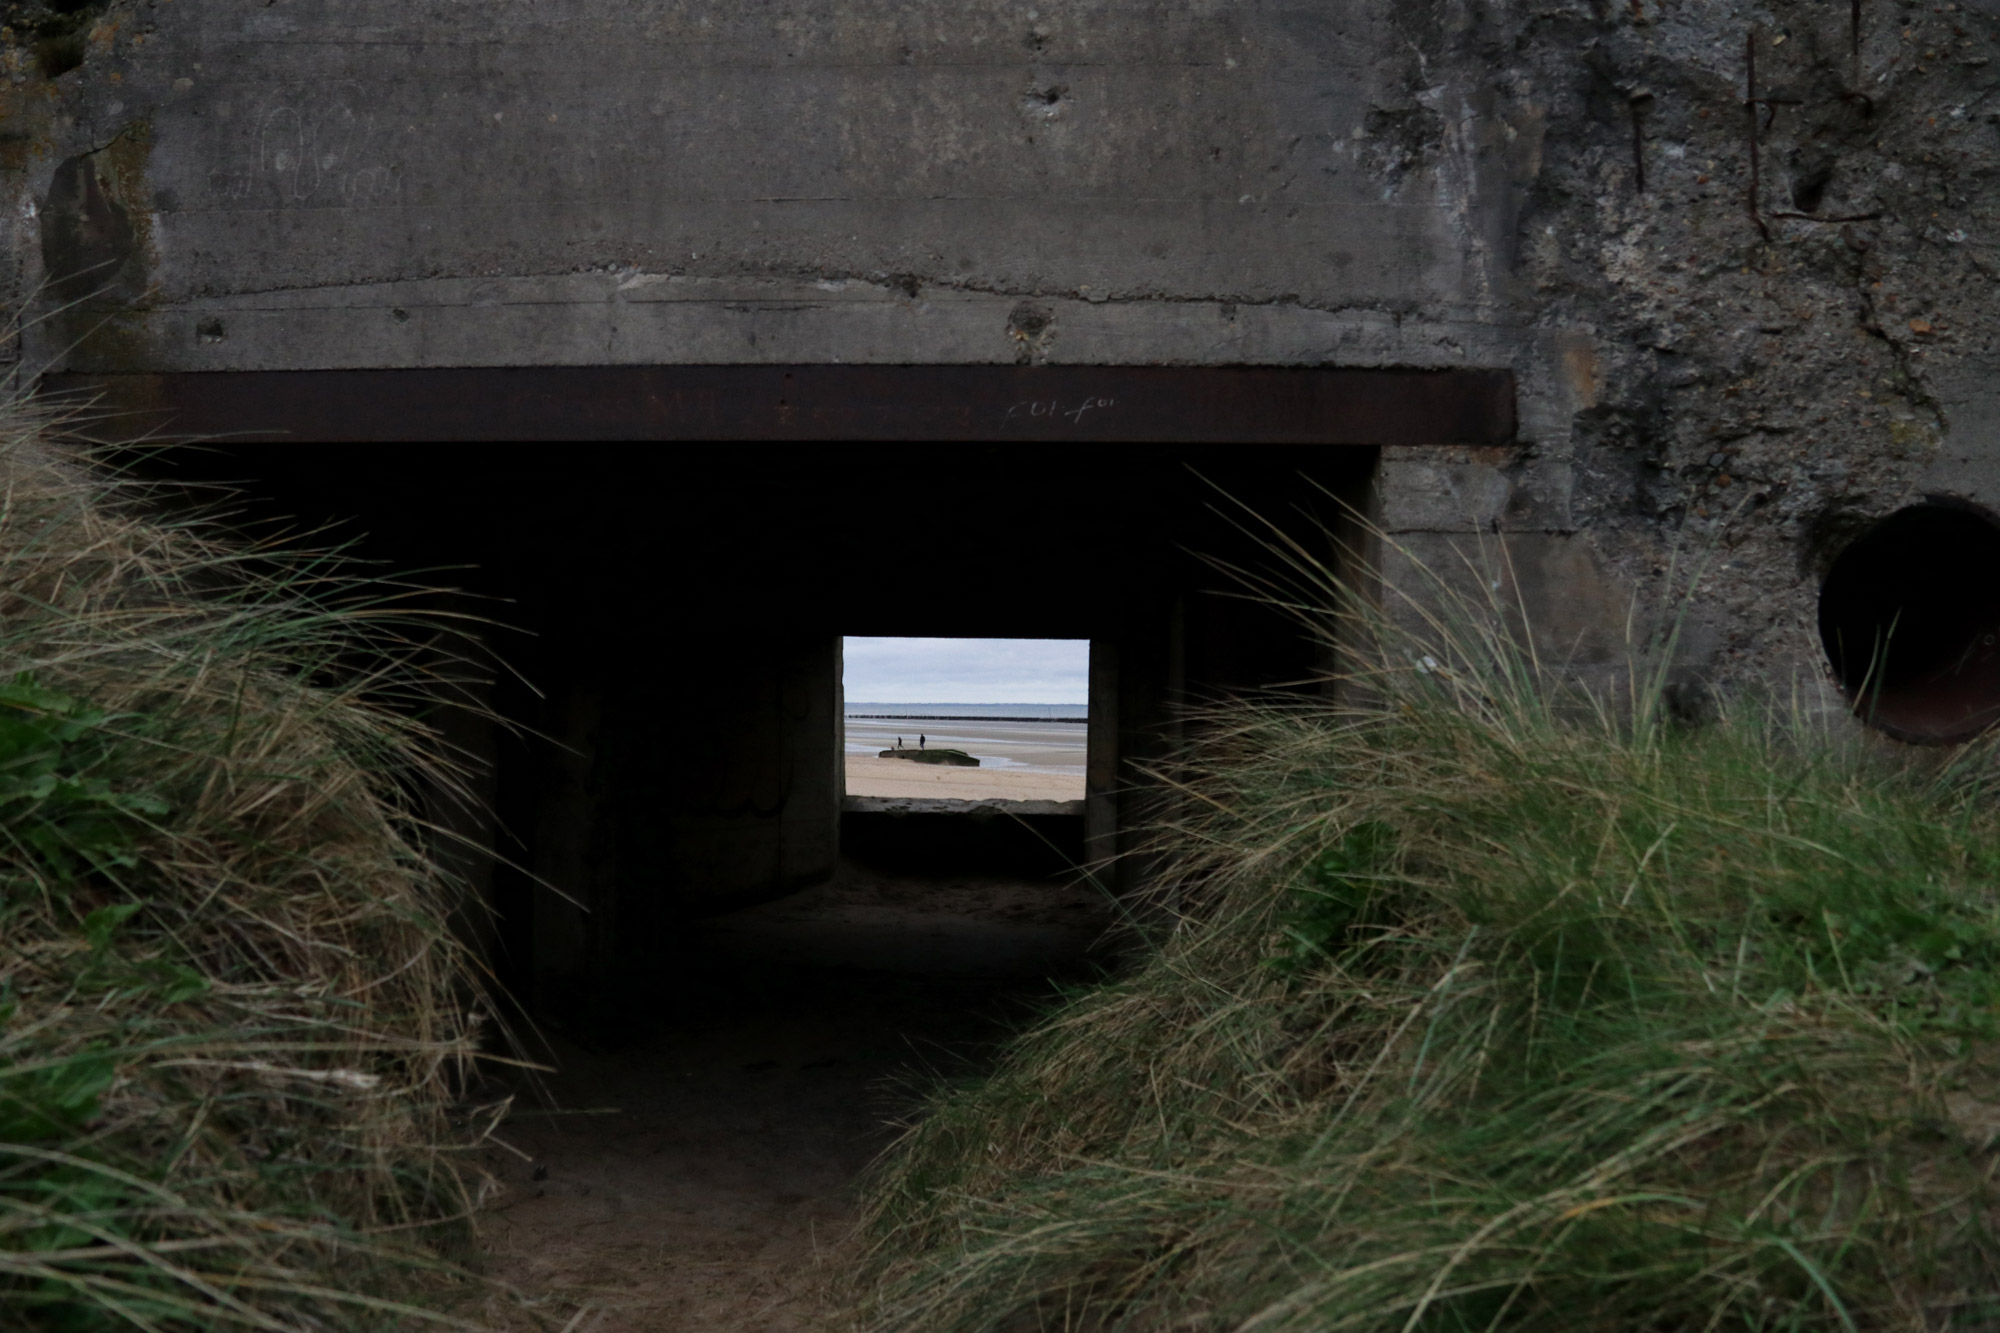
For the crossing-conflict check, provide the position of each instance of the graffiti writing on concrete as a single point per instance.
(1053, 407)
(312, 147)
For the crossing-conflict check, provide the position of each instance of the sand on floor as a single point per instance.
(697, 1173)
(868, 775)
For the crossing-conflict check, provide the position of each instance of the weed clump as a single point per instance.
(1490, 1002)
(233, 1022)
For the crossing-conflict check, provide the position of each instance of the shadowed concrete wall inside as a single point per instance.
(675, 616)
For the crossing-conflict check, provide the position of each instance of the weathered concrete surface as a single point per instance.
(367, 183)
(356, 183)
(379, 183)
(1758, 364)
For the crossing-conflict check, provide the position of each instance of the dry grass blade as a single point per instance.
(233, 1021)
(1491, 1002)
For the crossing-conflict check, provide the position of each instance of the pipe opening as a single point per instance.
(1910, 618)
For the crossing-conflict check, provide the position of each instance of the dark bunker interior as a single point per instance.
(668, 587)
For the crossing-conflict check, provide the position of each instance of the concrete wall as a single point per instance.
(1560, 189)
(372, 182)
(315, 184)
(681, 788)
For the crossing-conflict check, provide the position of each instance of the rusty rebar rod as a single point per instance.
(1638, 108)
(1753, 108)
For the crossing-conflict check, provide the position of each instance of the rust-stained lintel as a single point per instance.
(1141, 404)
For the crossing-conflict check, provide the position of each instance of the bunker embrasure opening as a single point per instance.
(666, 743)
(1910, 617)
(966, 719)
(964, 754)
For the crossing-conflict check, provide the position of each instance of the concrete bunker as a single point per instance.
(728, 961)
(1910, 616)
(674, 605)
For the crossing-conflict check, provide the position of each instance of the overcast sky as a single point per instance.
(968, 671)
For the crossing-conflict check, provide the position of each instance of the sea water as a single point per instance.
(1044, 738)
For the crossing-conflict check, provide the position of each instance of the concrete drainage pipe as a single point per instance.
(1910, 616)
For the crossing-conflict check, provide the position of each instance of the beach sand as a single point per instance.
(1020, 760)
(870, 776)
(701, 1172)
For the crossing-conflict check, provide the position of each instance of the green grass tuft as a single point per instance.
(234, 1027)
(1490, 1002)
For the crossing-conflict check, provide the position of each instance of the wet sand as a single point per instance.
(1019, 761)
(870, 776)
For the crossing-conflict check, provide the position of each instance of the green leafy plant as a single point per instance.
(1338, 895)
(233, 1021)
(58, 814)
(54, 1099)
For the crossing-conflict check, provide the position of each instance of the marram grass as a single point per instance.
(1489, 1004)
(233, 1022)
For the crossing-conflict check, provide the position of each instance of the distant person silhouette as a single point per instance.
(920, 742)
(899, 742)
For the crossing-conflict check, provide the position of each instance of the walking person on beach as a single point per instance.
(920, 742)
(899, 742)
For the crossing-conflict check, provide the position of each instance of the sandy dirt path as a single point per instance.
(700, 1179)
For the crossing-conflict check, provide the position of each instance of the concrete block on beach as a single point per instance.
(957, 758)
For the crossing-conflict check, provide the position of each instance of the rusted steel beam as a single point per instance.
(1157, 404)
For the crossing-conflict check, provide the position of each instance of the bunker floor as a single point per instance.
(698, 1167)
